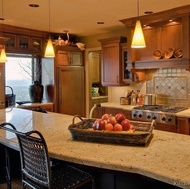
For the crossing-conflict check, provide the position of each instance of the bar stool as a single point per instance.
(35, 164)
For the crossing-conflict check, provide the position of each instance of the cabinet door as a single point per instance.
(71, 90)
(62, 58)
(11, 43)
(111, 64)
(2, 84)
(183, 125)
(23, 42)
(76, 58)
(94, 58)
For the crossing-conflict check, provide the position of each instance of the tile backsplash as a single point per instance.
(172, 87)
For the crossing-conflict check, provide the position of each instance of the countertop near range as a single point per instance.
(166, 158)
(184, 113)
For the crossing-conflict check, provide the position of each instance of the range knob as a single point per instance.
(163, 118)
(140, 115)
(154, 117)
(170, 119)
(134, 115)
(148, 116)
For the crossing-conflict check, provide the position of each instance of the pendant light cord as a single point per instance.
(49, 18)
(138, 8)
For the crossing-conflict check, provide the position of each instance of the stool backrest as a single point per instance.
(34, 156)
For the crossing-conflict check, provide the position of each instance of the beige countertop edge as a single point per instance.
(34, 104)
(185, 113)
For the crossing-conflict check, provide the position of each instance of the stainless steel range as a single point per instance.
(162, 114)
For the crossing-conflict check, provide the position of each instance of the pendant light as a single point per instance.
(3, 57)
(49, 52)
(138, 40)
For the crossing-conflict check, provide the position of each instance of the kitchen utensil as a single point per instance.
(169, 53)
(124, 101)
(178, 53)
(157, 54)
(150, 99)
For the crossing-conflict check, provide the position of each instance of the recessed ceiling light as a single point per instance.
(100, 22)
(148, 12)
(33, 5)
(2, 19)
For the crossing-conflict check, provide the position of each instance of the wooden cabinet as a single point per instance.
(94, 64)
(111, 71)
(23, 44)
(163, 30)
(2, 84)
(183, 125)
(71, 93)
(69, 56)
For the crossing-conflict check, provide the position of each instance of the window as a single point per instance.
(18, 75)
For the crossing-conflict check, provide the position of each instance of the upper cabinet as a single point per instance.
(111, 67)
(24, 41)
(117, 68)
(68, 56)
(163, 31)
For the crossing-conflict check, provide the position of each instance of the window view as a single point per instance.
(18, 76)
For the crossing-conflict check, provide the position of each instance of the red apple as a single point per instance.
(112, 120)
(105, 116)
(132, 127)
(117, 127)
(125, 124)
(109, 127)
(119, 117)
(100, 125)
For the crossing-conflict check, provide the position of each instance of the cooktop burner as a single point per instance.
(172, 109)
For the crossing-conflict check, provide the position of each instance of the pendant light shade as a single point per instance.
(3, 57)
(138, 37)
(49, 52)
(138, 40)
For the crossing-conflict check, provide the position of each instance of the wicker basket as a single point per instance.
(10, 98)
(82, 131)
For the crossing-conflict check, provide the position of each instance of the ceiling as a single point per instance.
(79, 17)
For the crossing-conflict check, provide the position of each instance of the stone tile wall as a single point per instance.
(172, 86)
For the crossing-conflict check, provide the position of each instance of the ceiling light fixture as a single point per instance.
(3, 40)
(138, 40)
(49, 52)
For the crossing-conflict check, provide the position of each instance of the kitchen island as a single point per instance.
(166, 158)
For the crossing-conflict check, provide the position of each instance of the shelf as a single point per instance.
(164, 63)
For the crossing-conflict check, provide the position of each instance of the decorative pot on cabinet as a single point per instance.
(36, 91)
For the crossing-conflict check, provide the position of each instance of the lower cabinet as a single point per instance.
(183, 125)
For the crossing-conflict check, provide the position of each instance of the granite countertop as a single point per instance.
(166, 158)
(185, 113)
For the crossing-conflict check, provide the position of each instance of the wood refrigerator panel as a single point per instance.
(71, 90)
(2, 85)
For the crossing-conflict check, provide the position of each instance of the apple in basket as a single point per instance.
(112, 120)
(117, 127)
(132, 127)
(99, 124)
(105, 116)
(119, 117)
(108, 127)
(125, 124)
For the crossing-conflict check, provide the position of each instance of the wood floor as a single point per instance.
(16, 184)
